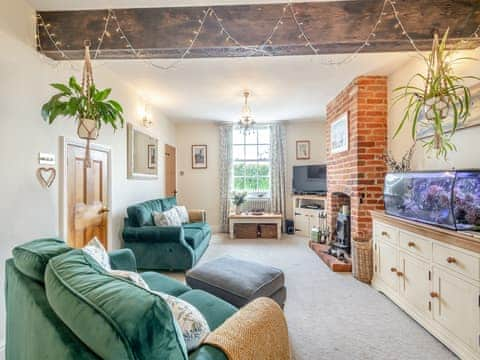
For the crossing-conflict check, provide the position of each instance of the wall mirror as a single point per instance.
(142, 154)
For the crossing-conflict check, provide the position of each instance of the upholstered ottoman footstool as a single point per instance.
(238, 281)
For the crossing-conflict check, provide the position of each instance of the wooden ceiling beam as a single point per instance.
(334, 28)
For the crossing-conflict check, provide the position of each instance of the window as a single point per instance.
(251, 160)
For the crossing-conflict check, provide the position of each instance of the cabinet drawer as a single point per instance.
(459, 261)
(386, 232)
(415, 244)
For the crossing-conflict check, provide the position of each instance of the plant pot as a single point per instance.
(238, 209)
(436, 104)
(87, 129)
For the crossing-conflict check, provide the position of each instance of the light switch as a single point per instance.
(46, 159)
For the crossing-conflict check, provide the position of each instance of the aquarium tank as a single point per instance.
(450, 199)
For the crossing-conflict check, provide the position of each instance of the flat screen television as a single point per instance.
(309, 179)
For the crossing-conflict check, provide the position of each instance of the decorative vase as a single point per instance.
(87, 129)
(238, 209)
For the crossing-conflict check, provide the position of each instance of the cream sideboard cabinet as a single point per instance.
(434, 275)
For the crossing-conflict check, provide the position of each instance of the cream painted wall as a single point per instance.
(200, 188)
(308, 130)
(466, 140)
(28, 211)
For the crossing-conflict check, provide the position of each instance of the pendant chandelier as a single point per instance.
(246, 121)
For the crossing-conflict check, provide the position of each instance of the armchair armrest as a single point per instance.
(159, 234)
(197, 215)
(123, 259)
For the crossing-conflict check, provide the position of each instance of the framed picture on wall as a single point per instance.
(199, 156)
(152, 157)
(303, 149)
(339, 135)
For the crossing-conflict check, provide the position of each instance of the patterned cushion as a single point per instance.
(167, 218)
(183, 214)
(193, 325)
(96, 250)
(132, 276)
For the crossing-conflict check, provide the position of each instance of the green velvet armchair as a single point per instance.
(167, 247)
(62, 305)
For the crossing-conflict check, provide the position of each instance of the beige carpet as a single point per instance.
(330, 315)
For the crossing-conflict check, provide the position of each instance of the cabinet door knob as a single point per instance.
(386, 234)
(411, 244)
(451, 260)
(399, 273)
(393, 269)
(434, 294)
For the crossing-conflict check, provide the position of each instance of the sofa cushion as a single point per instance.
(194, 237)
(32, 258)
(206, 230)
(214, 309)
(165, 284)
(141, 214)
(169, 203)
(113, 317)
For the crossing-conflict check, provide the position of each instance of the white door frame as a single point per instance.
(63, 191)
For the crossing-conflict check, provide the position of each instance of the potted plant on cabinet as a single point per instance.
(440, 103)
(238, 199)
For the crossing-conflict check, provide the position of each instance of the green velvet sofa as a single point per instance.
(167, 247)
(62, 305)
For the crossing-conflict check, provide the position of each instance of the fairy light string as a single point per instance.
(112, 19)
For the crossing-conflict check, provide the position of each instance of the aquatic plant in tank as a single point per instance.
(449, 199)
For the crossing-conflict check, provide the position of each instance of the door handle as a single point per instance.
(103, 210)
(434, 294)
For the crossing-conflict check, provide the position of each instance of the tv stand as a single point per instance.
(306, 212)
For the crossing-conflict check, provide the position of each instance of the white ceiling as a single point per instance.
(283, 88)
(117, 4)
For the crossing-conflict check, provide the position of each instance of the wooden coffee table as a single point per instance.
(266, 218)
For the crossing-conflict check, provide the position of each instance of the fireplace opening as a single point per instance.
(341, 236)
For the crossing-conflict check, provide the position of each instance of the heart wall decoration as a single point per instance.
(46, 176)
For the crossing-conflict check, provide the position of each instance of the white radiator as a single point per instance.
(258, 203)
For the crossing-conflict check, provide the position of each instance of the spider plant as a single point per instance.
(441, 103)
(72, 101)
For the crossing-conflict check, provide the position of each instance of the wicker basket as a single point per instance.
(362, 260)
(268, 231)
(246, 231)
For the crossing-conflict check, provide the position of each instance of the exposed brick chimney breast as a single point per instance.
(359, 172)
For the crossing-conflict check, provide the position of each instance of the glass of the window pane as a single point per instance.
(239, 184)
(239, 169)
(251, 169)
(263, 152)
(238, 152)
(251, 184)
(264, 135)
(251, 137)
(263, 184)
(238, 136)
(263, 169)
(251, 152)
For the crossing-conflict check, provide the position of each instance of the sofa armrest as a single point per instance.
(154, 234)
(197, 215)
(123, 259)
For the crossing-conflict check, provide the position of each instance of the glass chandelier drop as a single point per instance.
(246, 122)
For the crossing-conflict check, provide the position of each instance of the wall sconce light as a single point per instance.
(147, 116)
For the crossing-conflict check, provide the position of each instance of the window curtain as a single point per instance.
(278, 147)
(226, 173)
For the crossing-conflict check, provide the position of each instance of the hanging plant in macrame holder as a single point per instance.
(441, 104)
(85, 103)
